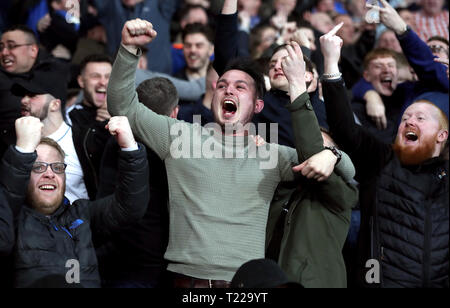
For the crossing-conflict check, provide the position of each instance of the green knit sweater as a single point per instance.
(218, 205)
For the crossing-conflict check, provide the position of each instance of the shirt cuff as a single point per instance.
(130, 149)
(22, 150)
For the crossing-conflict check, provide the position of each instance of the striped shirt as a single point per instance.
(430, 26)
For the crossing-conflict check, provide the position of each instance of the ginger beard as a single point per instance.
(415, 155)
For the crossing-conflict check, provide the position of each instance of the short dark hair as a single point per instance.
(438, 38)
(158, 94)
(251, 68)
(28, 32)
(96, 58)
(198, 28)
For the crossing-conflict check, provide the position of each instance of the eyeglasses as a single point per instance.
(438, 48)
(12, 46)
(40, 167)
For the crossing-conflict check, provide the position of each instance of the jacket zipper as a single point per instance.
(88, 158)
(427, 247)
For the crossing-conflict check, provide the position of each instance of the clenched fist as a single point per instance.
(29, 133)
(137, 32)
(120, 128)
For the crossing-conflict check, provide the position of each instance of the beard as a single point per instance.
(44, 207)
(415, 155)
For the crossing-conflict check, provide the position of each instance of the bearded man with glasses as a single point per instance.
(54, 238)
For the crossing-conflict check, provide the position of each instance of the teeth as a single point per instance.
(101, 91)
(47, 187)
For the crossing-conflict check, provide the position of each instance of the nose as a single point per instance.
(49, 173)
(229, 90)
(104, 81)
(24, 100)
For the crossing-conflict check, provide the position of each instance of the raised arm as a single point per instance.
(368, 154)
(151, 128)
(226, 40)
(15, 167)
(131, 197)
(419, 55)
(333, 190)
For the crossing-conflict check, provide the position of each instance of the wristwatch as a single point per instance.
(336, 152)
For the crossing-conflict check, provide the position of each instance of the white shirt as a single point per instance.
(75, 187)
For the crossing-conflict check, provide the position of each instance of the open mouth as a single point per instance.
(229, 108)
(7, 62)
(386, 82)
(100, 94)
(276, 76)
(411, 136)
(47, 187)
(24, 110)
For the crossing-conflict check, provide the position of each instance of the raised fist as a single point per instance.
(29, 133)
(120, 128)
(137, 32)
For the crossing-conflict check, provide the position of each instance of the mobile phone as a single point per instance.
(372, 15)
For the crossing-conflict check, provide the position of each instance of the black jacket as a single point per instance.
(10, 104)
(6, 226)
(44, 244)
(89, 138)
(404, 210)
(136, 252)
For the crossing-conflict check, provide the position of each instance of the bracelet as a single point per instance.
(336, 152)
(332, 76)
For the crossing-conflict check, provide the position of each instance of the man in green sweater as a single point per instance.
(221, 179)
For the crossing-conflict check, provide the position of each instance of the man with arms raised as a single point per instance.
(49, 230)
(218, 201)
(404, 187)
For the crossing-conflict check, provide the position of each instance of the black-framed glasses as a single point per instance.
(12, 46)
(438, 48)
(41, 167)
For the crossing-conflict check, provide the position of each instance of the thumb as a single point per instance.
(300, 167)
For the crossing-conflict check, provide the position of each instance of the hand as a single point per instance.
(120, 128)
(375, 109)
(294, 69)
(245, 19)
(287, 32)
(29, 133)
(331, 45)
(137, 32)
(102, 113)
(319, 166)
(61, 52)
(44, 23)
(389, 17)
(278, 21)
(301, 38)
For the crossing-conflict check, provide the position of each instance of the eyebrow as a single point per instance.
(237, 81)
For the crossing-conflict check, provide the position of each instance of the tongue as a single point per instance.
(100, 96)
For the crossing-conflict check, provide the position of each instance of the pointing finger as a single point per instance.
(335, 29)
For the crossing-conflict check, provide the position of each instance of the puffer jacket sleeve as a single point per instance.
(15, 169)
(130, 200)
(6, 227)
